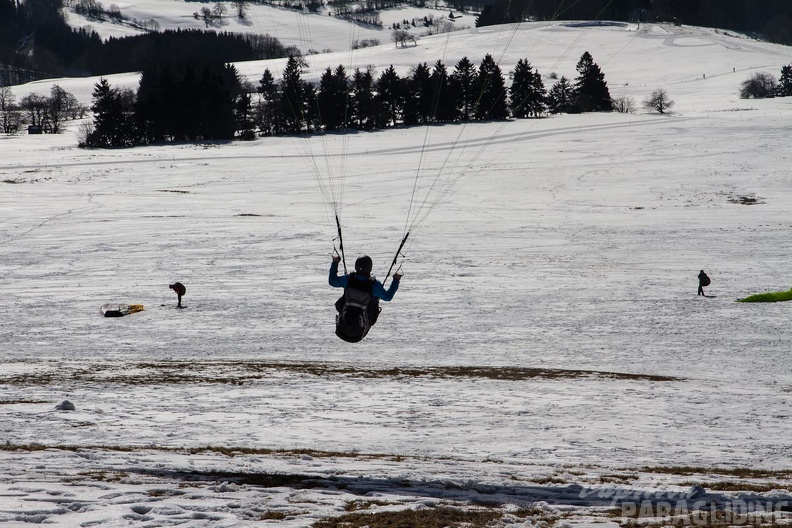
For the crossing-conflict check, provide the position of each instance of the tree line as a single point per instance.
(772, 18)
(763, 85)
(204, 99)
(36, 42)
(43, 113)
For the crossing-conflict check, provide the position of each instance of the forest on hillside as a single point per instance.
(36, 41)
(771, 19)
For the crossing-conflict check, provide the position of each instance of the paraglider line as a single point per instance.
(396, 257)
(340, 243)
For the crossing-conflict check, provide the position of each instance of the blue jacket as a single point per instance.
(378, 291)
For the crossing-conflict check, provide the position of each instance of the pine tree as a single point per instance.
(491, 102)
(591, 90)
(528, 94)
(443, 98)
(537, 102)
(418, 102)
(311, 105)
(462, 83)
(342, 86)
(362, 104)
(521, 88)
(561, 97)
(785, 82)
(333, 98)
(390, 98)
(113, 126)
(266, 113)
(266, 84)
(292, 99)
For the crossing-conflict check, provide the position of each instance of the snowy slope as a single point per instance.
(563, 268)
(700, 68)
(319, 31)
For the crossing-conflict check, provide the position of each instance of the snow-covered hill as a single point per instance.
(700, 68)
(546, 359)
(307, 31)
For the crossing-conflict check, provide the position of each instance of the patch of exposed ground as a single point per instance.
(239, 372)
(439, 517)
(392, 500)
(746, 199)
(739, 472)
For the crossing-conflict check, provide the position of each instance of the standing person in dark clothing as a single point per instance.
(704, 280)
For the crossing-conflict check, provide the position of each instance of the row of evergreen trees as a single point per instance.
(177, 100)
(36, 42)
(204, 99)
(772, 18)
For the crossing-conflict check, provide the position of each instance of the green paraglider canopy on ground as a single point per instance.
(769, 297)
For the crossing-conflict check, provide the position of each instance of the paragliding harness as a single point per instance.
(358, 309)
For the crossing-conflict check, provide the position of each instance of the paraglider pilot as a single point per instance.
(704, 280)
(180, 290)
(358, 308)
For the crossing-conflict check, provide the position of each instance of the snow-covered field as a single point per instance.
(308, 31)
(546, 357)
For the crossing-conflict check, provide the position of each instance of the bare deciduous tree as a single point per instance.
(401, 36)
(624, 104)
(658, 101)
(60, 105)
(207, 16)
(84, 132)
(35, 106)
(758, 86)
(218, 10)
(9, 113)
(241, 8)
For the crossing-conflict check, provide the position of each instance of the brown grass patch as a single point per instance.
(616, 478)
(705, 519)
(103, 476)
(440, 517)
(279, 515)
(357, 505)
(747, 199)
(549, 480)
(163, 492)
(226, 451)
(738, 485)
(238, 372)
(740, 472)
